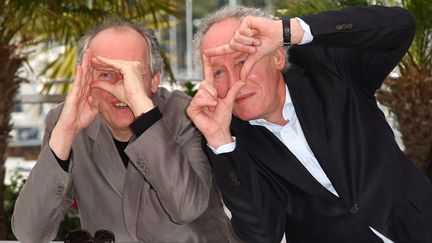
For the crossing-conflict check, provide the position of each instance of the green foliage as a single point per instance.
(10, 195)
(409, 96)
(420, 53)
(190, 89)
(303, 7)
(55, 23)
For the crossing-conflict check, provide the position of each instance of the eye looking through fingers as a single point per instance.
(106, 75)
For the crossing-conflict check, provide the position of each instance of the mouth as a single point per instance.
(120, 105)
(243, 97)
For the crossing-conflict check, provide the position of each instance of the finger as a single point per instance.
(93, 103)
(208, 70)
(232, 93)
(102, 66)
(248, 65)
(78, 76)
(89, 73)
(117, 64)
(198, 106)
(209, 90)
(247, 31)
(246, 40)
(246, 27)
(86, 71)
(218, 51)
(242, 48)
(108, 87)
(251, 25)
(204, 102)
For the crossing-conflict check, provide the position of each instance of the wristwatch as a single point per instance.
(286, 31)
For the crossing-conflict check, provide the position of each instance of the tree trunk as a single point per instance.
(9, 86)
(409, 98)
(428, 169)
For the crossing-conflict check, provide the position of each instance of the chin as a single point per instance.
(124, 121)
(244, 116)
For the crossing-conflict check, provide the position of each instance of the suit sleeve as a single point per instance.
(170, 157)
(45, 198)
(362, 43)
(257, 215)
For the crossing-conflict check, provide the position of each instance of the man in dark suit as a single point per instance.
(308, 152)
(125, 150)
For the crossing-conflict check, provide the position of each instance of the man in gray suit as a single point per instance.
(124, 150)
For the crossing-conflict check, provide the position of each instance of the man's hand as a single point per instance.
(256, 36)
(210, 114)
(79, 110)
(134, 86)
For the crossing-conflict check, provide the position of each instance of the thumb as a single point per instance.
(252, 25)
(248, 65)
(93, 103)
(232, 93)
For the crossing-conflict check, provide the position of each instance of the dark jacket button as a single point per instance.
(234, 178)
(354, 209)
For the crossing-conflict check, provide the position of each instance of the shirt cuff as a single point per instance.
(145, 121)
(64, 164)
(226, 148)
(307, 36)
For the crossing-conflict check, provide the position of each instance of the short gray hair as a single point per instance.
(155, 58)
(226, 12)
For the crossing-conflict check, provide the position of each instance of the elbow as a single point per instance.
(408, 20)
(411, 22)
(188, 213)
(185, 217)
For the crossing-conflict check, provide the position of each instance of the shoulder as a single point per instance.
(171, 102)
(53, 116)
(173, 106)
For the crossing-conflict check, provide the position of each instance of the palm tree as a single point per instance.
(34, 23)
(408, 96)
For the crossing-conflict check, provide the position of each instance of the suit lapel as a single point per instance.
(105, 156)
(132, 198)
(272, 157)
(310, 113)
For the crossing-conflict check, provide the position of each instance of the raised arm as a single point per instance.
(362, 42)
(48, 192)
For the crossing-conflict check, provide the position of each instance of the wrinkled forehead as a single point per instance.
(219, 33)
(120, 43)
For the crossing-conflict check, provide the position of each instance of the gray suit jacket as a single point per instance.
(165, 194)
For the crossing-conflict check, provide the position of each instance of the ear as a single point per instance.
(279, 58)
(155, 82)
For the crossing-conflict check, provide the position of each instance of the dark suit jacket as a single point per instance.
(332, 83)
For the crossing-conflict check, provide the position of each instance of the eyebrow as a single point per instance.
(236, 56)
(240, 55)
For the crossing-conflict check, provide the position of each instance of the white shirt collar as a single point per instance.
(287, 111)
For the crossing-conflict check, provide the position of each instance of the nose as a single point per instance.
(234, 76)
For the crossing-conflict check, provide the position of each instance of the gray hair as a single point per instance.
(226, 12)
(155, 58)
